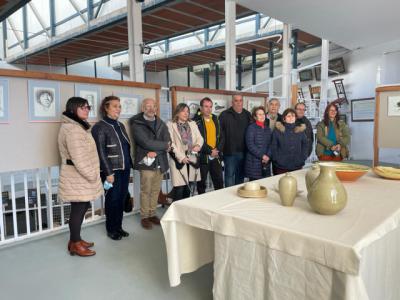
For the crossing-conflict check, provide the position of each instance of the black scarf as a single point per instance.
(74, 117)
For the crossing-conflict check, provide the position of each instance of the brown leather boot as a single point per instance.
(155, 220)
(84, 243)
(146, 224)
(78, 249)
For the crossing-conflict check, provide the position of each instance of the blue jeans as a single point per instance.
(234, 169)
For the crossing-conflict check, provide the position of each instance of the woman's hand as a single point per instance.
(110, 178)
(185, 160)
(151, 154)
(196, 148)
(265, 158)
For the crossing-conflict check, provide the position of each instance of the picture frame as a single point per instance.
(343, 117)
(394, 106)
(335, 67)
(363, 110)
(130, 105)
(44, 101)
(219, 105)
(306, 75)
(194, 105)
(92, 94)
(252, 103)
(4, 103)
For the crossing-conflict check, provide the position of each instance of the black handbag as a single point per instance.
(178, 164)
(128, 204)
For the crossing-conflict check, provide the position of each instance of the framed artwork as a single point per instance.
(343, 117)
(335, 67)
(194, 106)
(92, 94)
(44, 101)
(219, 105)
(394, 106)
(3, 100)
(306, 75)
(252, 103)
(363, 110)
(129, 105)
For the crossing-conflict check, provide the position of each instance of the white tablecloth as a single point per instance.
(258, 241)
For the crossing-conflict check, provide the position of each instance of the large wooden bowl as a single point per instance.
(350, 172)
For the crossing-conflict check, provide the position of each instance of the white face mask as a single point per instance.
(148, 161)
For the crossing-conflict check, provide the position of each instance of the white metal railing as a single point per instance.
(29, 206)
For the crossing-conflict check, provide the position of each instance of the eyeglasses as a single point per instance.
(86, 107)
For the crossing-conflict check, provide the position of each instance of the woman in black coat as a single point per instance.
(258, 141)
(289, 144)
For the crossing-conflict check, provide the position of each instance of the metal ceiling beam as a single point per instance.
(188, 15)
(39, 17)
(222, 14)
(11, 7)
(76, 7)
(16, 33)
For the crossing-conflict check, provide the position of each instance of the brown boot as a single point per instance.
(155, 220)
(78, 249)
(146, 224)
(84, 243)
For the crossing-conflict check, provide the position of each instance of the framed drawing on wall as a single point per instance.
(130, 105)
(92, 94)
(3, 100)
(44, 101)
(253, 103)
(194, 105)
(219, 105)
(363, 110)
(394, 106)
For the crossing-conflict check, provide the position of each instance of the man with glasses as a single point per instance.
(300, 109)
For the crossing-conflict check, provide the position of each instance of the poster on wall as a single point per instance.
(44, 101)
(393, 106)
(252, 103)
(194, 106)
(92, 94)
(3, 100)
(219, 106)
(129, 105)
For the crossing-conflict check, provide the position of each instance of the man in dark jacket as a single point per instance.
(151, 143)
(209, 154)
(233, 123)
(273, 112)
(300, 109)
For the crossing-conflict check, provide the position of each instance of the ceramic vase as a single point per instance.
(311, 175)
(287, 189)
(327, 195)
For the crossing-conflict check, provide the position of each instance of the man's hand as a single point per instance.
(110, 178)
(214, 152)
(151, 154)
(265, 158)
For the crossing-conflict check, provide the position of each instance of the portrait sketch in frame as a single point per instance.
(394, 106)
(4, 100)
(44, 101)
(253, 103)
(194, 106)
(130, 105)
(219, 105)
(92, 94)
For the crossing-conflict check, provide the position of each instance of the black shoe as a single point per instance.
(122, 232)
(116, 236)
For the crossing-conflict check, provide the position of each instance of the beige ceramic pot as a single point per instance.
(287, 189)
(327, 195)
(311, 175)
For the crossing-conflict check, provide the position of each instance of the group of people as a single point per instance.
(235, 145)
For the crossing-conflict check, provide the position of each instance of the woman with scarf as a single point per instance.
(79, 181)
(258, 142)
(333, 136)
(186, 142)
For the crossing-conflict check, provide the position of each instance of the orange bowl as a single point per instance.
(350, 172)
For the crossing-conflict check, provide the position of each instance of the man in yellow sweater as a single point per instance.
(209, 155)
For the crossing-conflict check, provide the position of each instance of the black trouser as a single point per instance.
(215, 169)
(181, 192)
(78, 210)
(115, 199)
